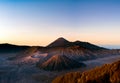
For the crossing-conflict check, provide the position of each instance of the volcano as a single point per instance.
(77, 50)
(59, 42)
(59, 62)
(62, 42)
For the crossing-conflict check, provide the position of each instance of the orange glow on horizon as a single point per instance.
(46, 41)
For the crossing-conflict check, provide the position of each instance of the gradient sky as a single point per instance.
(39, 22)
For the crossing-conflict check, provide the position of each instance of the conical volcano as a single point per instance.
(59, 42)
(59, 62)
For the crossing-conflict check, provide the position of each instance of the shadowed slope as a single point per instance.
(73, 52)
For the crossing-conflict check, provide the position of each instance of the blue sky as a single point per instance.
(38, 22)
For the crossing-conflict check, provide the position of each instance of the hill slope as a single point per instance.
(109, 73)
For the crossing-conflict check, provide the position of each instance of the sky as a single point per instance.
(39, 22)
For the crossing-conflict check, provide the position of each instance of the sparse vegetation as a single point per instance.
(108, 73)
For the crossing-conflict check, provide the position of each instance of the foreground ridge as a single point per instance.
(108, 73)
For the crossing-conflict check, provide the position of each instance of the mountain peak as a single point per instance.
(61, 38)
(59, 42)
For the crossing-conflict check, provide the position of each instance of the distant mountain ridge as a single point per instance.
(5, 47)
(62, 42)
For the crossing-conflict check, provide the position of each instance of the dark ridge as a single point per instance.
(10, 48)
(88, 45)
